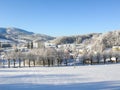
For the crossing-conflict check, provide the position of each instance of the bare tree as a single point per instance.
(104, 55)
(66, 57)
(24, 58)
(83, 58)
(29, 56)
(8, 57)
(90, 56)
(98, 57)
(60, 57)
(50, 54)
(19, 56)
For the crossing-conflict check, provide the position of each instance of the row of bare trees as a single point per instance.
(57, 57)
(101, 57)
(35, 57)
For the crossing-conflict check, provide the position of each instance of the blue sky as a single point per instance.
(61, 17)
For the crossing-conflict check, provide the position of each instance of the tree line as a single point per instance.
(57, 57)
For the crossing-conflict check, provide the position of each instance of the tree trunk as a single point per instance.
(29, 62)
(66, 62)
(104, 60)
(58, 62)
(8, 63)
(52, 62)
(24, 62)
(34, 62)
(19, 62)
(48, 62)
(3, 63)
(116, 60)
(43, 62)
(98, 60)
(14, 62)
(83, 61)
(111, 60)
(91, 61)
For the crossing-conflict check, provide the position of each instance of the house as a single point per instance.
(116, 48)
(50, 44)
(5, 43)
(38, 44)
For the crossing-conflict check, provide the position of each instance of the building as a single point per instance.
(38, 44)
(5, 43)
(116, 48)
(50, 44)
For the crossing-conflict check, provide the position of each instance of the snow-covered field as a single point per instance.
(96, 77)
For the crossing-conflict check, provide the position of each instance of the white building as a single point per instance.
(50, 44)
(38, 44)
(5, 43)
(116, 48)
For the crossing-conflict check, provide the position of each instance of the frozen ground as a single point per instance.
(96, 77)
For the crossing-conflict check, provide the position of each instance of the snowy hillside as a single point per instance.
(14, 31)
(3, 30)
(16, 34)
(97, 77)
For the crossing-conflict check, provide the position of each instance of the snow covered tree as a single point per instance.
(104, 56)
(98, 57)
(60, 56)
(90, 56)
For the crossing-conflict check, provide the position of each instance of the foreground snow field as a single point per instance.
(96, 77)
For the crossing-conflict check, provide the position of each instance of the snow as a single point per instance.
(4, 40)
(95, 77)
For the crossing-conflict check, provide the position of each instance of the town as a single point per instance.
(40, 53)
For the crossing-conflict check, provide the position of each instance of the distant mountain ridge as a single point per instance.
(12, 30)
(16, 34)
(3, 30)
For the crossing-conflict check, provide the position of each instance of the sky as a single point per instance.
(61, 17)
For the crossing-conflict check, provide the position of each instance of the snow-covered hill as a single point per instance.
(3, 30)
(16, 34)
(96, 77)
(14, 31)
